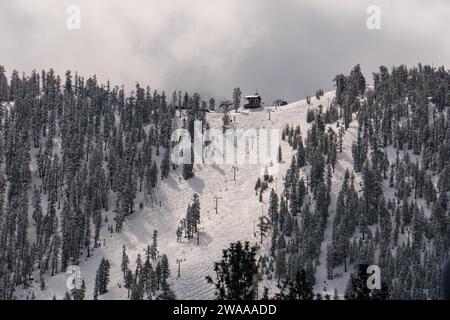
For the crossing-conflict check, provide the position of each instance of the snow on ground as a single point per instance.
(236, 219)
(344, 161)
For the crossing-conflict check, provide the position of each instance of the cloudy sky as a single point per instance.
(284, 48)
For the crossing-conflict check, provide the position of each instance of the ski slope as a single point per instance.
(236, 217)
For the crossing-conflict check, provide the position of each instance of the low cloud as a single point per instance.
(281, 48)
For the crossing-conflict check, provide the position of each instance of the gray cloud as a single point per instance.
(282, 48)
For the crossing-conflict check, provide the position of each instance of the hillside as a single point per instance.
(238, 210)
(363, 180)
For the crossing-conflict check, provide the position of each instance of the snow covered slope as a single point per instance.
(236, 219)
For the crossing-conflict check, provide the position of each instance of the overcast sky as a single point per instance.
(284, 48)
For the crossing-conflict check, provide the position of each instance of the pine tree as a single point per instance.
(236, 274)
(165, 164)
(4, 88)
(299, 289)
(165, 270)
(128, 281)
(237, 98)
(225, 120)
(357, 287)
(281, 268)
(280, 155)
(125, 262)
(212, 104)
(264, 227)
(188, 168)
(102, 278)
(153, 254)
(273, 208)
(192, 220)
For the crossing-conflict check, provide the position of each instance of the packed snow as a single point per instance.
(237, 212)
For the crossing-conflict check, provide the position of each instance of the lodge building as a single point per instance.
(253, 101)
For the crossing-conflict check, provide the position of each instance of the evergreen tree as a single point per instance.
(102, 278)
(299, 289)
(125, 262)
(236, 98)
(188, 168)
(4, 87)
(236, 274)
(165, 164)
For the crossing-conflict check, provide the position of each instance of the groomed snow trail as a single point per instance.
(238, 210)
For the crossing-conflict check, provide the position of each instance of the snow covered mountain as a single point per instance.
(235, 220)
(336, 127)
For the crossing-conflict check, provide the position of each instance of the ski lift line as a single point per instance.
(179, 261)
(217, 200)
